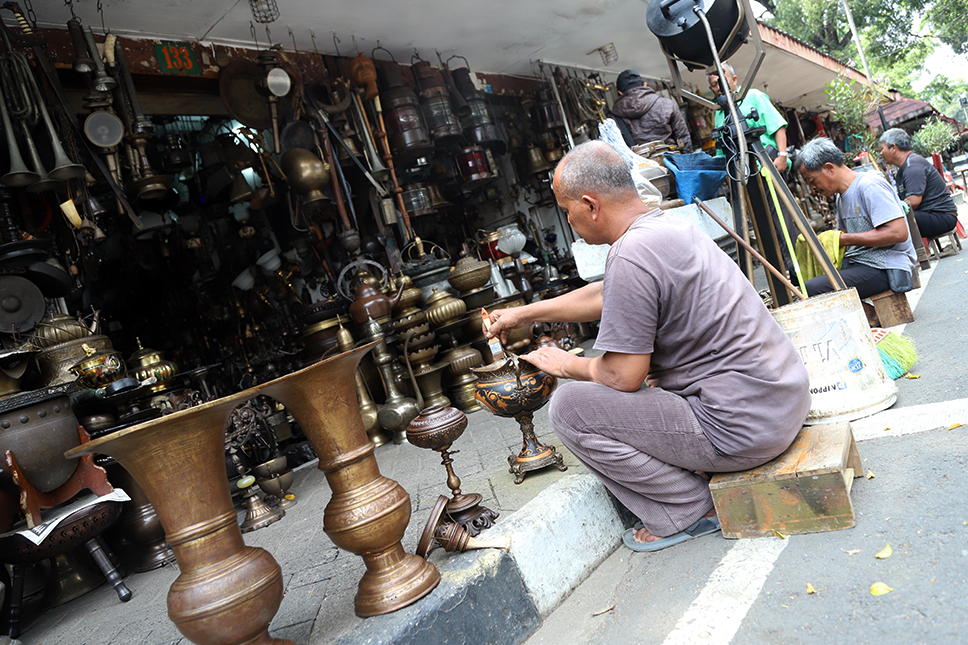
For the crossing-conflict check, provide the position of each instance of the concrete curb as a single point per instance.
(488, 596)
(559, 537)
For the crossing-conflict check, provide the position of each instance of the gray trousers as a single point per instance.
(644, 446)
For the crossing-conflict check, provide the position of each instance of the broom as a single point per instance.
(897, 352)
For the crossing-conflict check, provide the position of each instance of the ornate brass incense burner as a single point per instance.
(513, 387)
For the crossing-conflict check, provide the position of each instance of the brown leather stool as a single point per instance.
(81, 527)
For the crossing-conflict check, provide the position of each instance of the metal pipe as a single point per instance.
(782, 278)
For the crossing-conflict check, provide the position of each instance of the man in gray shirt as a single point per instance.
(696, 375)
(872, 219)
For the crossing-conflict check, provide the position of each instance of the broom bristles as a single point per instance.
(898, 353)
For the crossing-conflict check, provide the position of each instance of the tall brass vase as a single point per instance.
(368, 513)
(227, 592)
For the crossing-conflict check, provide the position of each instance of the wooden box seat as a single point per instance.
(804, 490)
(892, 308)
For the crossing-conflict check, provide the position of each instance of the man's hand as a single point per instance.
(780, 163)
(551, 360)
(505, 320)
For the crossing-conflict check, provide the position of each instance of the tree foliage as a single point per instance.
(943, 94)
(852, 103)
(947, 21)
(934, 136)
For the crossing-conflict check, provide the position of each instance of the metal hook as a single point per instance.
(253, 34)
(457, 56)
(312, 37)
(416, 55)
(70, 5)
(268, 36)
(357, 47)
(336, 42)
(295, 49)
(384, 49)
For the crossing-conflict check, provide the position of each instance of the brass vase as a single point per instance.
(227, 592)
(513, 387)
(368, 513)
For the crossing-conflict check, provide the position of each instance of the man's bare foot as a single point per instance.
(643, 534)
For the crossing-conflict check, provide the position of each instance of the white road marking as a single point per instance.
(719, 610)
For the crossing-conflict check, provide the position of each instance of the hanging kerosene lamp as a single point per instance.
(406, 130)
(479, 125)
(435, 105)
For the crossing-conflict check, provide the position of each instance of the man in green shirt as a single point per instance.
(769, 116)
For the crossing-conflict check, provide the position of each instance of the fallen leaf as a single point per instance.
(778, 534)
(604, 611)
(887, 518)
(870, 474)
(912, 376)
(879, 589)
(852, 551)
(955, 425)
(884, 553)
(886, 428)
(784, 606)
(810, 588)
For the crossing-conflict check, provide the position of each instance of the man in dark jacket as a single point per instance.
(647, 116)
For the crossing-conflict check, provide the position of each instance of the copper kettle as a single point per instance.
(370, 302)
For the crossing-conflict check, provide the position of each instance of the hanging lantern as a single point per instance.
(546, 114)
(435, 105)
(479, 126)
(418, 199)
(408, 135)
(473, 166)
(264, 11)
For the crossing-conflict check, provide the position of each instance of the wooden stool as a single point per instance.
(954, 242)
(83, 527)
(892, 308)
(804, 490)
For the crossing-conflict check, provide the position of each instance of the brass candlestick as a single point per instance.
(437, 428)
(513, 387)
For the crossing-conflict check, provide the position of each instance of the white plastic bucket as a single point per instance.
(847, 377)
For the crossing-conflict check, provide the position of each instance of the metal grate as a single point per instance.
(264, 11)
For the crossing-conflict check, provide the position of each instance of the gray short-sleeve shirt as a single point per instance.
(868, 203)
(671, 292)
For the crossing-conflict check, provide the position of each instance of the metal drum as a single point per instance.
(418, 199)
(473, 167)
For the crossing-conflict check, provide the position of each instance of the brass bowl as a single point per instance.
(436, 427)
(478, 298)
(469, 278)
(277, 485)
(271, 468)
(423, 356)
(510, 386)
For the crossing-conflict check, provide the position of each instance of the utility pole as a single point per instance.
(863, 60)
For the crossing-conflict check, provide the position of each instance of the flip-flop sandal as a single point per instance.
(703, 526)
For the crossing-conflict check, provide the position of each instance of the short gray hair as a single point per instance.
(594, 167)
(817, 152)
(726, 66)
(898, 138)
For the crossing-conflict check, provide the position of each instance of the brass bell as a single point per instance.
(536, 162)
(241, 190)
(306, 173)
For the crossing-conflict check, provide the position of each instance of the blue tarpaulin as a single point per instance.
(697, 174)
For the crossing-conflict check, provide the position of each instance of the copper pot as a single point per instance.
(370, 303)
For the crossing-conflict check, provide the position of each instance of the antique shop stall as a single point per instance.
(202, 248)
